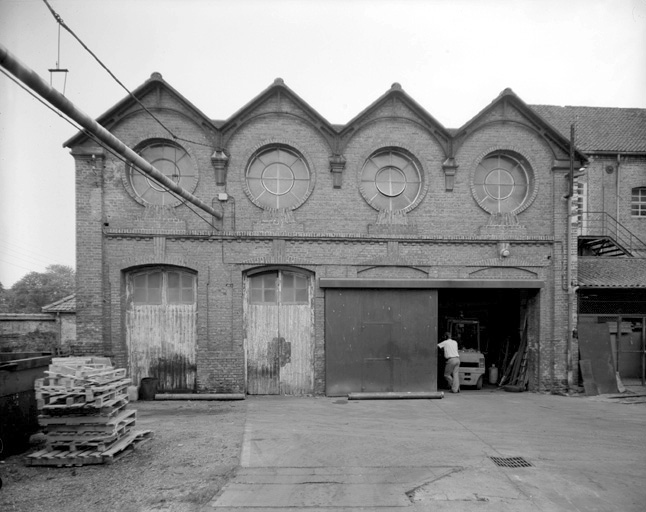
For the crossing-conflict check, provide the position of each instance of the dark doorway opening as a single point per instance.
(502, 319)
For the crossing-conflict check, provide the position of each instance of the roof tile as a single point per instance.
(599, 129)
(596, 272)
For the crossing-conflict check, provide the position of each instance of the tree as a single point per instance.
(4, 299)
(37, 289)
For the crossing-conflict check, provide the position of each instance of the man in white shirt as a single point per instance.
(452, 368)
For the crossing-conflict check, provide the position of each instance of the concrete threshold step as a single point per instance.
(394, 395)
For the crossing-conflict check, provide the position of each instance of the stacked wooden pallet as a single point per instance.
(83, 410)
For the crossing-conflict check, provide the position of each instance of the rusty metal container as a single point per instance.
(18, 412)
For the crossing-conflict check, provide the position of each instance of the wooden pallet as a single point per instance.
(82, 424)
(91, 397)
(74, 440)
(126, 445)
(61, 458)
(74, 385)
(82, 404)
(69, 376)
(115, 401)
(102, 416)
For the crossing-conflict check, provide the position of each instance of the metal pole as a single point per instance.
(570, 291)
(643, 350)
(52, 96)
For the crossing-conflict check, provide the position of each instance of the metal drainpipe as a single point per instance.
(643, 350)
(617, 194)
(570, 297)
(59, 321)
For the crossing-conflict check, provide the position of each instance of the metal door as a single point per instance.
(279, 334)
(380, 340)
(161, 329)
(380, 324)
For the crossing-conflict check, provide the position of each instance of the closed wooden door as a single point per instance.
(161, 321)
(279, 334)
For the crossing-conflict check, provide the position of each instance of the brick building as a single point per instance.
(342, 253)
(611, 229)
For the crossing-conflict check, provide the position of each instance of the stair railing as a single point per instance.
(605, 225)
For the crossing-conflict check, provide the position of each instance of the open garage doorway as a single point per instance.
(499, 323)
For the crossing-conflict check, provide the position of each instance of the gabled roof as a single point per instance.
(396, 91)
(600, 129)
(277, 87)
(64, 305)
(111, 116)
(595, 272)
(507, 95)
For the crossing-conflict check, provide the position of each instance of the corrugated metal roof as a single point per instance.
(595, 272)
(599, 129)
(64, 305)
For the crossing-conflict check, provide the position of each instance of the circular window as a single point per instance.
(278, 178)
(503, 183)
(391, 180)
(173, 162)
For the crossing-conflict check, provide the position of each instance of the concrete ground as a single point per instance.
(334, 454)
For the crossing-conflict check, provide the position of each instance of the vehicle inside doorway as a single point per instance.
(466, 331)
(491, 327)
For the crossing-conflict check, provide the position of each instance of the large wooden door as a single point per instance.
(161, 329)
(380, 340)
(279, 334)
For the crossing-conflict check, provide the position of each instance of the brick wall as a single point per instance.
(89, 252)
(445, 236)
(29, 333)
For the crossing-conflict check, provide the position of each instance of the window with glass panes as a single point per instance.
(278, 178)
(147, 288)
(279, 287)
(503, 183)
(170, 159)
(391, 180)
(156, 287)
(638, 202)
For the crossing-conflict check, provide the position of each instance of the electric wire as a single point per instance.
(64, 25)
(100, 143)
(20, 266)
(14, 251)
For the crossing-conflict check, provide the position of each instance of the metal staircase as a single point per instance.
(600, 234)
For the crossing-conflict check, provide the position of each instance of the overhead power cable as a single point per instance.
(104, 146)
(64, 25)
(20, 266)
(19, 253)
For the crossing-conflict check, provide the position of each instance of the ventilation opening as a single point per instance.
(511, 462)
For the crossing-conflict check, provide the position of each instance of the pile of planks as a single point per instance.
(516, 375)
(83, 411)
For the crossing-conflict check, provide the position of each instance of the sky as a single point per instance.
(451, 56)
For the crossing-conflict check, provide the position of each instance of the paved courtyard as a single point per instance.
(557, 453)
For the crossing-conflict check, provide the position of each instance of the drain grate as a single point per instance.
(511, 462)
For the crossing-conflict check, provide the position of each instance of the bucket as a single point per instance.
(493, 374)
(148, 388)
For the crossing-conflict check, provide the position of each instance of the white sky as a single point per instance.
(452, 56)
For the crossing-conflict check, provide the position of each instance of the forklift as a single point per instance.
(466, 331)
